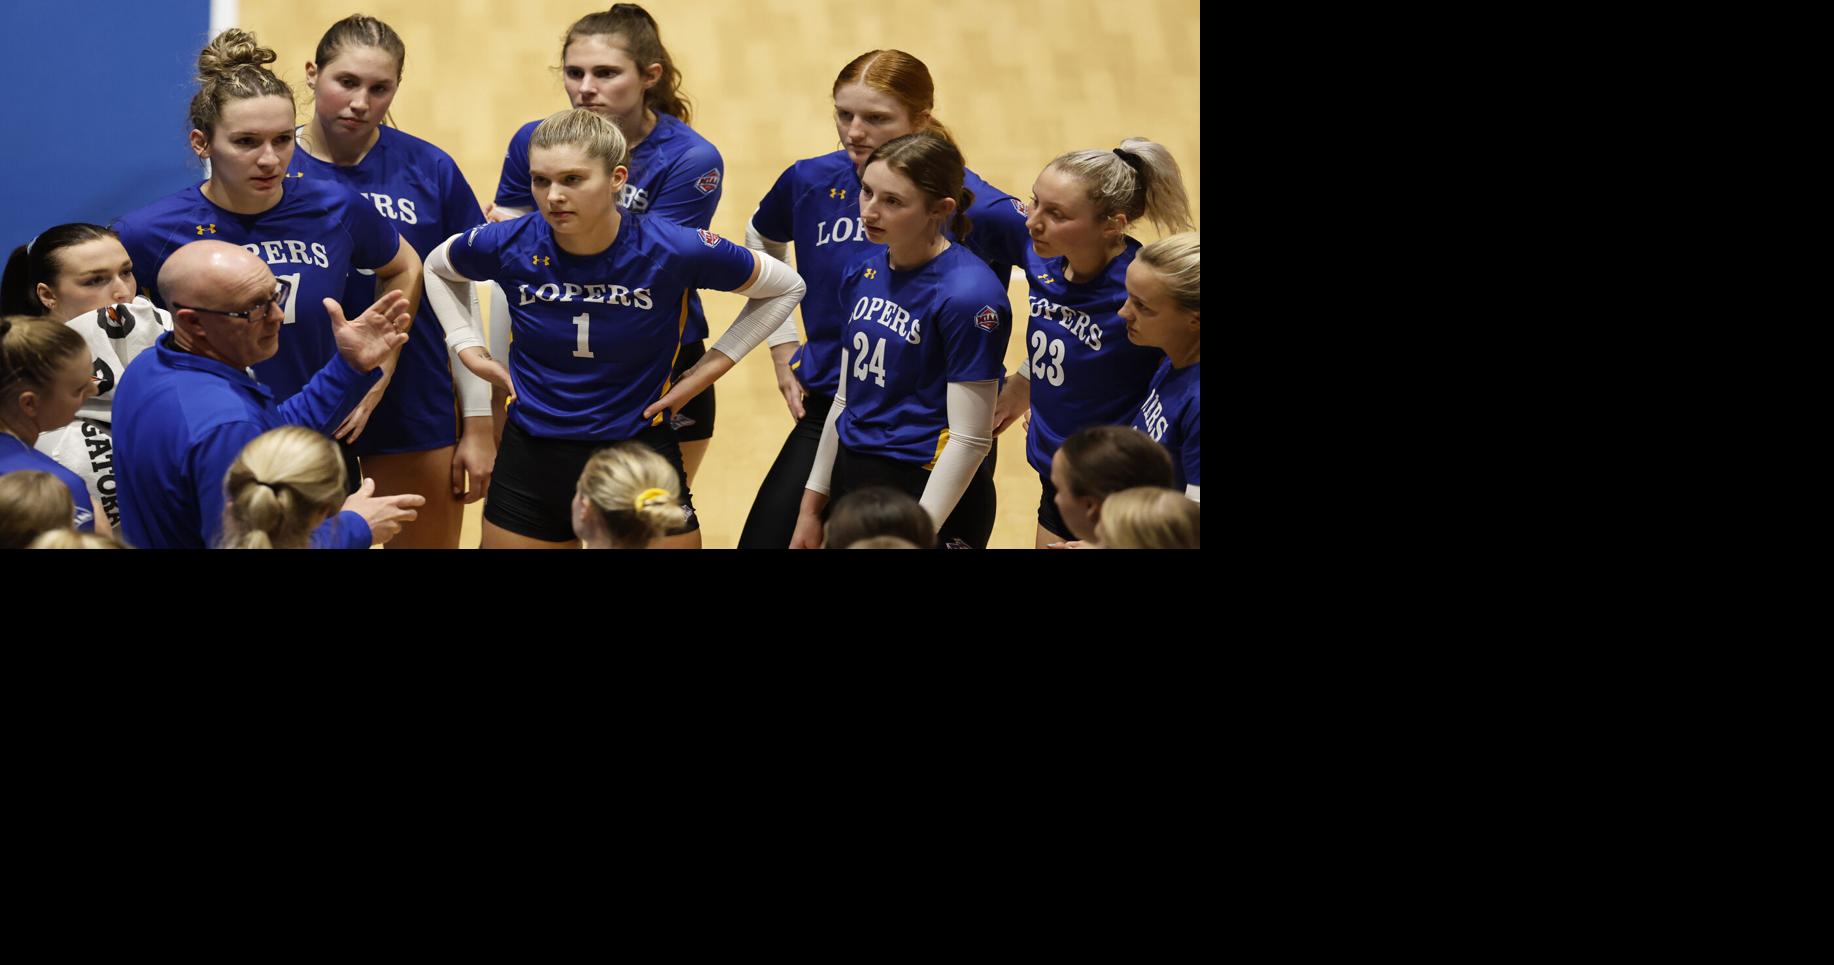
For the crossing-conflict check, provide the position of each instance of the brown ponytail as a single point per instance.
(643, 41)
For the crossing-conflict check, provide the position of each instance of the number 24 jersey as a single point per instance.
(909, 334)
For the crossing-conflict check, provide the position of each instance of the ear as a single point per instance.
(619, 175)
(46, 297)
(311, 73)
(921, 121)
(651, 75)
(1117, 225)
(185, 322)
(946, 208)
(200, 144)
(28, 403)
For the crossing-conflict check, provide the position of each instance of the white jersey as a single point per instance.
(116, 335)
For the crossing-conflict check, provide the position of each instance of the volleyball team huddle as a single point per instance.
(598, 242)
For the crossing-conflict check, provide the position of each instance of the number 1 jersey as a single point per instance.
(596, 335)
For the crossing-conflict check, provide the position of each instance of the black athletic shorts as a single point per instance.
(531, 492)
(695, 420)
(1048, 516)
(968, 527)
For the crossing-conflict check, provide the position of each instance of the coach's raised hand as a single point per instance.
(366, 340)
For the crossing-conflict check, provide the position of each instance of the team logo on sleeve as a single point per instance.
(1019, 206)
(707, 182)
(472, 237)
(987, 318)
(708, 238)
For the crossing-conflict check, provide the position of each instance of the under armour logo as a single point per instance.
(201, 229)
(872, 273)
(538, 259)
(1045, 278)
(837, 193)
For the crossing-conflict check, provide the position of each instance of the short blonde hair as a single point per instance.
(284, 482)
(1148, 518)
(31, 503)
(634, 492)
(585, 130)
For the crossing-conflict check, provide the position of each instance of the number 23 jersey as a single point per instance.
(909, 334)
(596, 335)
(1083, 370)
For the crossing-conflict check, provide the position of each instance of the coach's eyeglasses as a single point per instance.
(282, 288)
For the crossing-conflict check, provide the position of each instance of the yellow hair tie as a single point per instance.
(649, 495)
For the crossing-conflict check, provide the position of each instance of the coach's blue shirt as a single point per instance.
(180, 422)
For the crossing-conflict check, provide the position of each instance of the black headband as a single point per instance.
(1133, 160)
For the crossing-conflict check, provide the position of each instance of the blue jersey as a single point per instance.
(674, 174)
(16, 456)
(314, 237)
(1084, 371)
(909, 334)
(180, 422)
(596, 335)
(418, 188)
(1170, 415)
(997, 231)
(816, 205)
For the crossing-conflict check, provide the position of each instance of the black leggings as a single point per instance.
(968, 527)
(772, 520)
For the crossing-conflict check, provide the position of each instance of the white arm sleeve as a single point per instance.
(1192, 493)
(450, 296)
(970, 439)
(822, 472)
(473, 392)
(780, 250)
(771, 298)
(499, 306)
